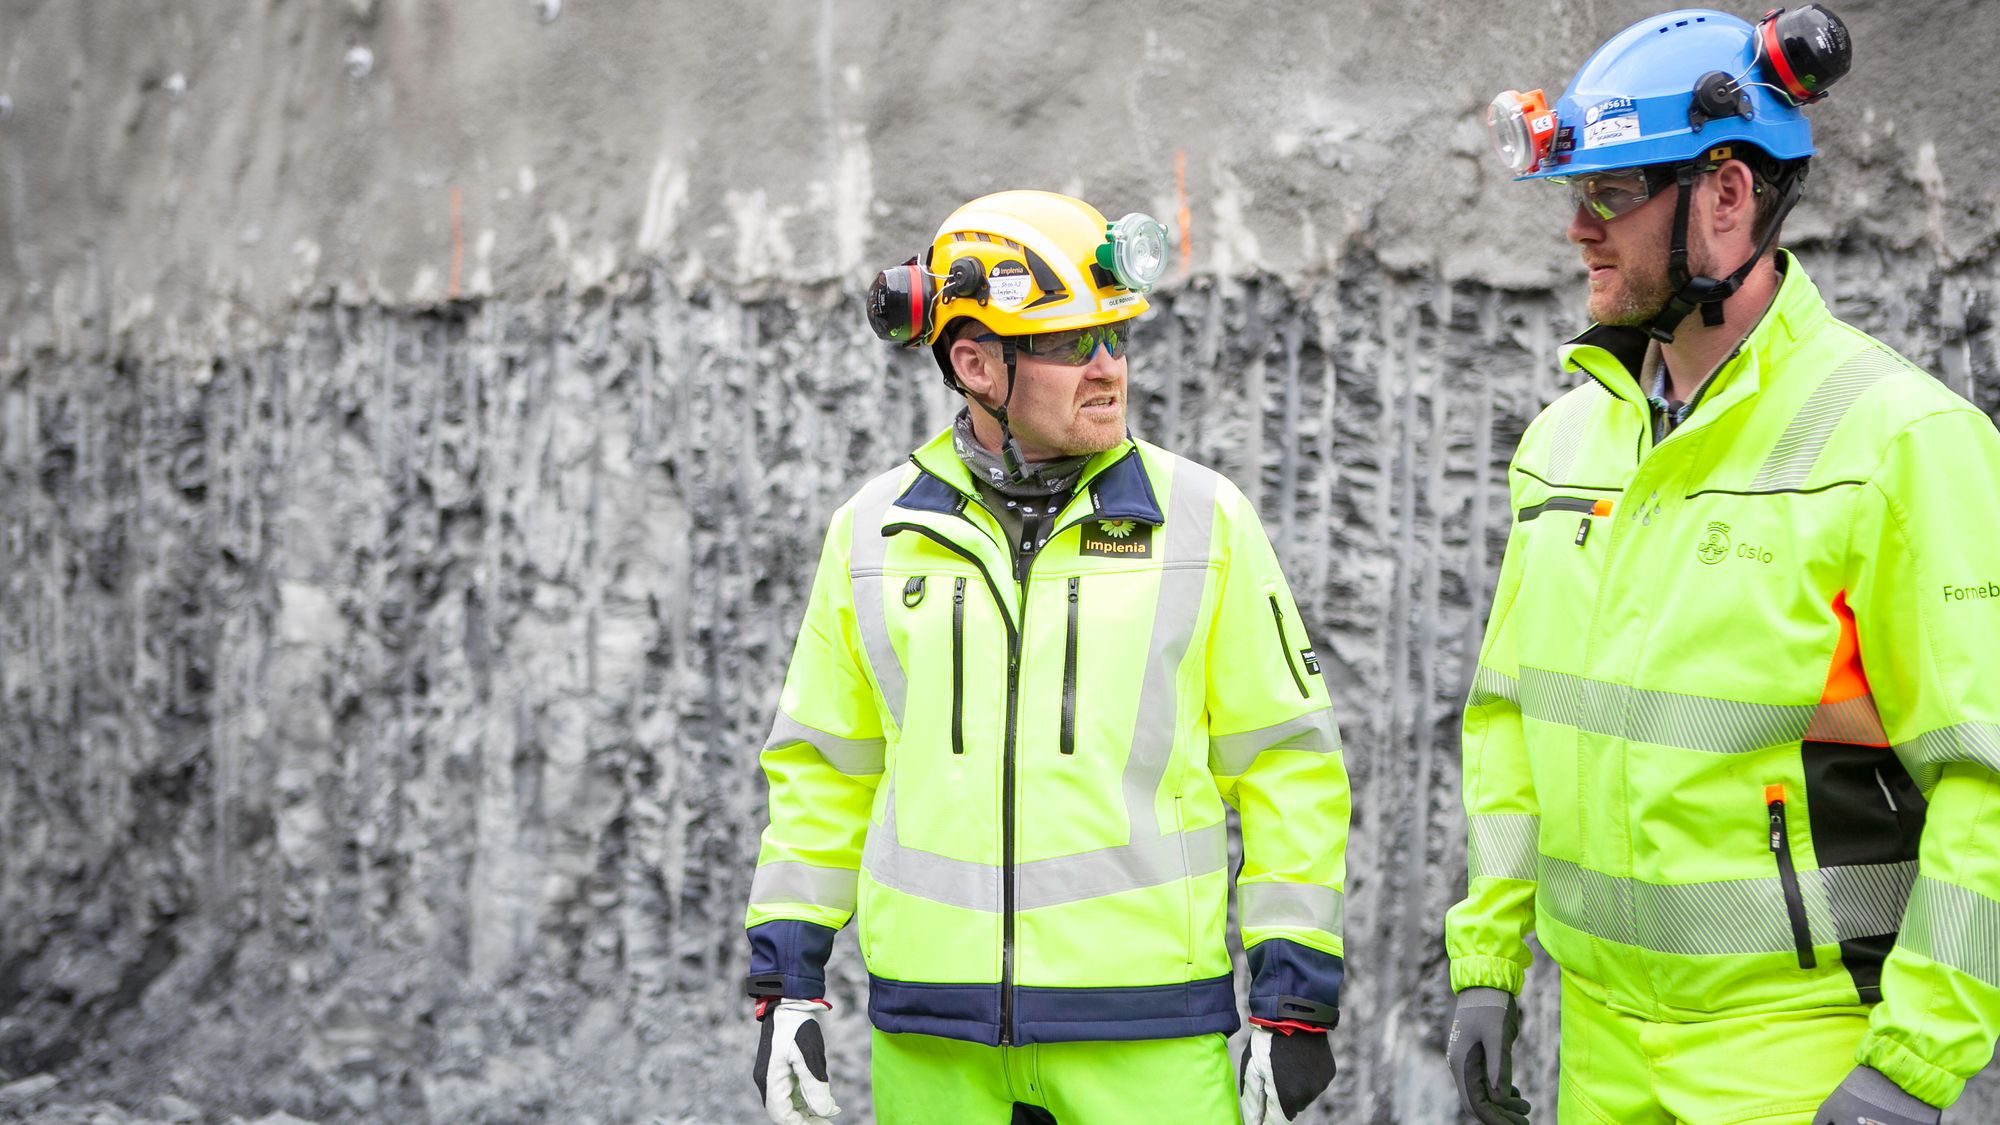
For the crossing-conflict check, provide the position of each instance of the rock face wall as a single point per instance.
(390, 608)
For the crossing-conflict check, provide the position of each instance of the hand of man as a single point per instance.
(1481, 1055)
(1284, 1068)
(1866, 1094)
(790, 1071)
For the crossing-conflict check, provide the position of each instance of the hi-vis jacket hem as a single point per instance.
(1019, 787)
(1732, 742)
(1054, 1015)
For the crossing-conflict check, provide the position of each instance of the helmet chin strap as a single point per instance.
(1709, 293)
(1010, 450)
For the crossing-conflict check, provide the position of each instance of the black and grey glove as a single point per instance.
(1285, 1066)
(1868, 1095)
(1481, 1056)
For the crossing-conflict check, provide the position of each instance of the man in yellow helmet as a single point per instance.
(1037, 664)
(1732, 750)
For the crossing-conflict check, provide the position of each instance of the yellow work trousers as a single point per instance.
(926, 1080)
(1620, 1069)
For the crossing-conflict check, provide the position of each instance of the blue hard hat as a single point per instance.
(1628, 105)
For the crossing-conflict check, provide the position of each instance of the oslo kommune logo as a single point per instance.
(1715, 547)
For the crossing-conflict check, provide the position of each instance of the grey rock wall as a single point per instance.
(383, 697)
(417, 423)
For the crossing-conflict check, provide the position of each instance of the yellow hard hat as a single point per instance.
(1021, 263)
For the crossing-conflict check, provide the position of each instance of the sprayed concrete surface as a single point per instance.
(417, 423)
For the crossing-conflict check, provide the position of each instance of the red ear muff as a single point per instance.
(920, 300)
(1803, 52)
(899, 303)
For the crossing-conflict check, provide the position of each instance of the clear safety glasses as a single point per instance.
(1608, 195)
(1075, 347)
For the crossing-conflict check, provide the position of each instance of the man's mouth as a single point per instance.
(1100, 402)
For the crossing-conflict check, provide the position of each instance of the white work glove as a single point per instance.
(1868, 1096)
(1282, 1072)
(791, 1063)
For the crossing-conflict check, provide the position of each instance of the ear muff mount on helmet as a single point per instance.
(1800, 54)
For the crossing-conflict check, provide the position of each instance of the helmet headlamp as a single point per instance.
(1134, 252)
(1521, 128)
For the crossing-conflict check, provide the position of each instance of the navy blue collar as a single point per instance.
(1123, 492)
(929, 493)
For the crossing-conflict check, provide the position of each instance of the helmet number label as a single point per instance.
(1610, 123)
(1008, 284)
(1611, 131)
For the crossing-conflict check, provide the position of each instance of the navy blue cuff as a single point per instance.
(788, 958)
(1289, 981)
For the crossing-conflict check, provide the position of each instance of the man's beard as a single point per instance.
(1638, 300)
(1643, 296)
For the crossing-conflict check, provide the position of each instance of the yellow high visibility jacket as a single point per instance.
(1020, 786)
(1732, 743)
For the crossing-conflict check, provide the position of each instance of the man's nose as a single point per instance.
(1584, 226)
(1102, 365)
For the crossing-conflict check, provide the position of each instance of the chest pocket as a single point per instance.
(1566, 536)
(947, 636)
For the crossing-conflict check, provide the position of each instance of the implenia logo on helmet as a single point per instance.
(1714, 547)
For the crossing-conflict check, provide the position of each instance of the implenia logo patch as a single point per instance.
(1118, 539)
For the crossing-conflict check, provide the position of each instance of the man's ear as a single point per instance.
(974, 368)
(1734, 190)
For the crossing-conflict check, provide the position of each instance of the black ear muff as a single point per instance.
(1803, 52)
(1716, 95)
(965, 278)
(899, 303)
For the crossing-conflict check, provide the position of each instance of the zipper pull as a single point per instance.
(1601, 508)
(958, 592)
(1886, 795)
(1774, 801)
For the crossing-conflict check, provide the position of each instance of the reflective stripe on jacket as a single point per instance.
(1733, 739)
(1020, 786)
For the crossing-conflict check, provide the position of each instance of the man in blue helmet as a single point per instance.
(1732, 750)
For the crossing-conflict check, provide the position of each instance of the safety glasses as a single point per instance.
(1075, 347)
(1608, 195)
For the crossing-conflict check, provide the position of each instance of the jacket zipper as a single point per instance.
(1285, 649)
(958, 666)
(1006, 764)
(1068, 745)
(1557, 504)
(1788, 876)
(1015, 631)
